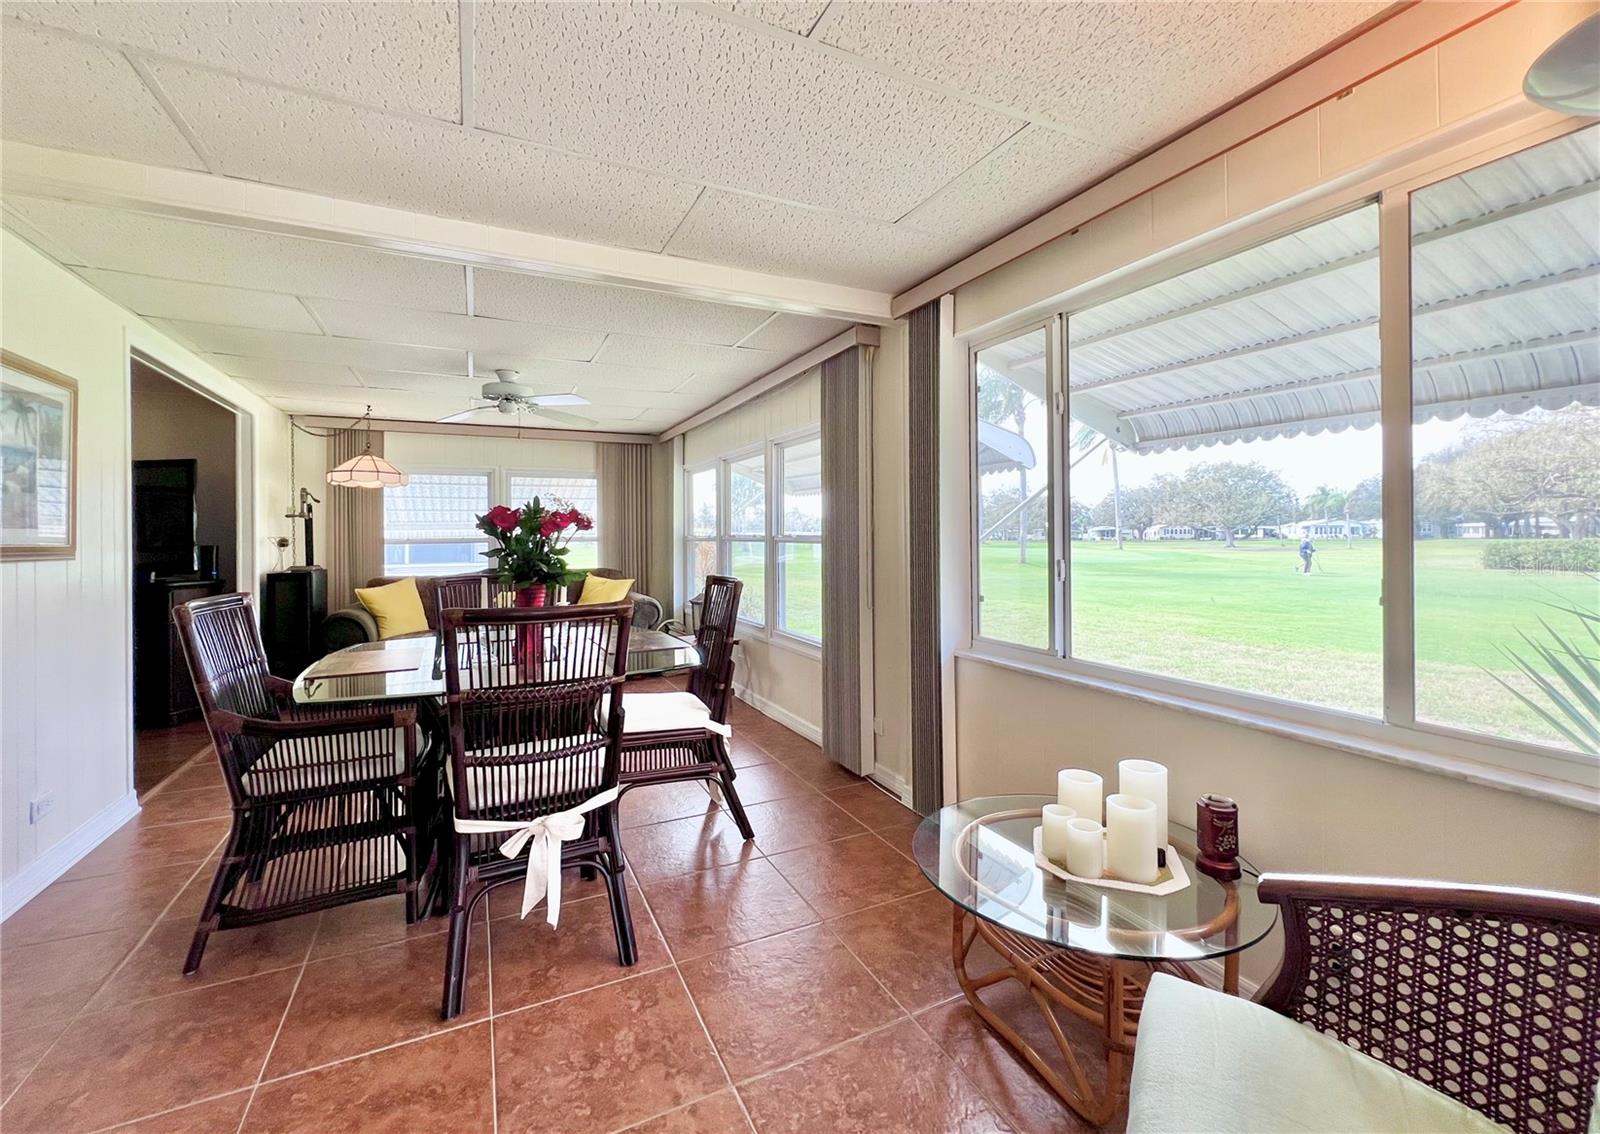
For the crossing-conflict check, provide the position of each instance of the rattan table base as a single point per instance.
(1105, 991)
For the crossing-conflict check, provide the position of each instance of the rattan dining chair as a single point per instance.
(671, 737)
(468, 592)
(326, 800)
(534, 702)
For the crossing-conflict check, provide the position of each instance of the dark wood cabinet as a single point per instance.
(163, 694)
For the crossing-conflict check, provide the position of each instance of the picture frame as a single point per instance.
(38, 461)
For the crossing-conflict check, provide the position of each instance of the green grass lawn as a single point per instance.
(801, 611)
(1247, 618)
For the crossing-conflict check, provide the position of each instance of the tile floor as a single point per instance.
(801, 983)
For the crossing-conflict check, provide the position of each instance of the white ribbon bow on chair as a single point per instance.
(543, 838)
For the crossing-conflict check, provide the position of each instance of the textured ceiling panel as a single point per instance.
(288, 347)
(398, 56)
(797, 16)
(1033, 171)
(1125, 74)
(432, 328)
(721, 362)
(790, 335)
(58, 92)
(746, 232)
(538, 299)
(602, 375)
(252, 370)
(202, 303)
(266, 134)
(131, 242)
(683, 92)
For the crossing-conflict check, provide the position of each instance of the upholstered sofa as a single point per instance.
(353, 625)
(1399, 1007)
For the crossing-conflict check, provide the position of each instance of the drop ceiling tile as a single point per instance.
(1036, 169)
(790, 335)
(154, 297)
(566, 303)
(640, 400)
(769, 236)
(601, 375)
(1125, 74)
(798, 16)
(75, 96)
(267, 134)
(247, 368)
(286, 347)
(455, 385)
(232, 257)
(686, 93)
(397, 56)
(432, 328)
(725, 362)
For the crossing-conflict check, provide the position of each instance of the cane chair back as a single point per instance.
(226, 657)
(534, 702)
(712, 680)
(466, 592)
(1486, 994)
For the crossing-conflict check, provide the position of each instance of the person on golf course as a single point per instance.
(1307, 550)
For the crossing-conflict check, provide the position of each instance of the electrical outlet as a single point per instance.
(39, 808)
(877, 726)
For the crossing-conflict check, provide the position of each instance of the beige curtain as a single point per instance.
(624, 520)
(355, 523)
(844, 386)
(927, 712)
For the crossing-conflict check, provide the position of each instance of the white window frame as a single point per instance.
(780, 538)
(507, 474)
(488, 473)
(1398, 736)
(727, 537)
(690, 539)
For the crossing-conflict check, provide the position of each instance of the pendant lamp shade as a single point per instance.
(368, 471)
(1567, 76)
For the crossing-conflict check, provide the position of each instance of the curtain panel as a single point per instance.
(843, 391)
(625, 507)
(355, 523)
(927, 714)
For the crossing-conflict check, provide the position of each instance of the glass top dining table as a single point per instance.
(414, 668)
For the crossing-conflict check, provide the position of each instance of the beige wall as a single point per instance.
(65, 625)
(452, 451)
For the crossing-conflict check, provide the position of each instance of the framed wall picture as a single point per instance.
(38, 461)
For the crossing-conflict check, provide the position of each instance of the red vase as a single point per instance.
(530, 641)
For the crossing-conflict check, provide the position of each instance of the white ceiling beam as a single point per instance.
(455, 429)
(37, 171)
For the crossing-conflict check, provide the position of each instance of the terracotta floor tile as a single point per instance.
(718, 1114)
(785, 824)
(900, 835)
(725, 906)
(820, 772)
(157, 752)
(748, 754)
(602, 1059)
(359, 1002)
(209, 1117)
(906, 945)
(656, 803)
(69, 908)
(1003, 1075)
(534, 962)
(682, 845)
(362, 925)
(767, 782)
(782, 998)
(52, 980)
(506, 900)
(20, 1051)
(191, 900)
(156, 967)
(141, 844)
(892, 1081)
(781, 742)
(441, 1083)
(849, 874)
(132, 1061)
(167, 806)
(200, 774)
(873, 806)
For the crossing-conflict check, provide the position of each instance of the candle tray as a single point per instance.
(1169, 879)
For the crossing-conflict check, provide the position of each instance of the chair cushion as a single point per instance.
(397, 607)
(597, 590)
(667, 712)
(302, 763)
(516, 783)
(1206, 1061)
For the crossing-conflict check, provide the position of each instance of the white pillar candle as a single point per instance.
(1147, 780)
(1131, 838)
(1086, 847)
(1080, 790)
(1054, 819)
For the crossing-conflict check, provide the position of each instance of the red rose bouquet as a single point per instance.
(532, 543)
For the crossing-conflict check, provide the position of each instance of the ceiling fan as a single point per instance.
(508, 397)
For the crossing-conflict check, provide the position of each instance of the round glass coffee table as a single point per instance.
(1075, 947)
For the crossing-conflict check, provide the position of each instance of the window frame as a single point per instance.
(777, 447)
(508, 473)
(726, 537)
(1397, 735)
(488, 473)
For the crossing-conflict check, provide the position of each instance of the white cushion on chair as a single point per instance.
(301, 762)
(584, 771)
(667, 712)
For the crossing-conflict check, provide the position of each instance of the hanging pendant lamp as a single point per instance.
(367, 470)
(1567, 76)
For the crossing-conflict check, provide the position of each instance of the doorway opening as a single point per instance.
(185, 546)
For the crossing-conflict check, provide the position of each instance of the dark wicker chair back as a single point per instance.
(468, 592)
(712, 680)
(1489, 995)
(226, 656)
(534, 699)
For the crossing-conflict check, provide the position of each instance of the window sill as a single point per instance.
(1579, 796)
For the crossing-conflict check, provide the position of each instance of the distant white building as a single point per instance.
(1330, 529)
(1109, 533)
(1169, 531)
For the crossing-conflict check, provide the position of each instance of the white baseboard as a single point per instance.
(892, 783)
(59, 859)
(783, 716)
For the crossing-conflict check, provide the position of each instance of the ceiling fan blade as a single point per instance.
(467, 415)
(559, 415)
(559, 400)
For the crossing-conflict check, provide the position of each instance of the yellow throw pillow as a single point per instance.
(396, 606)
(598, 590)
